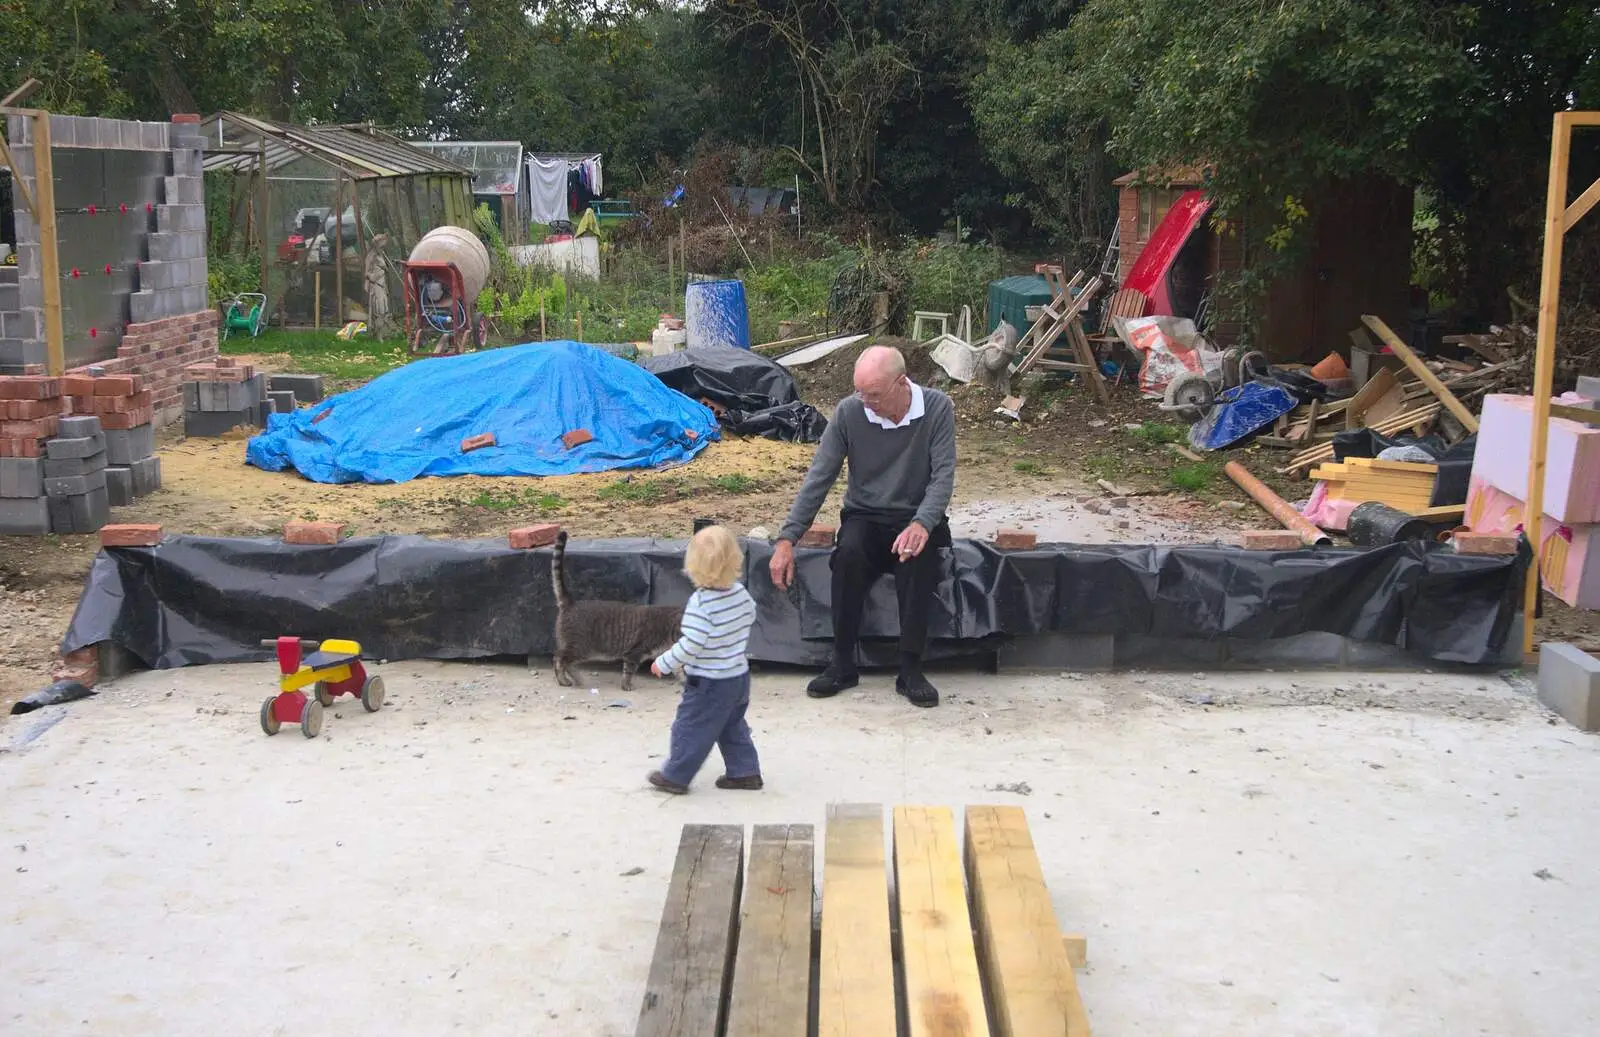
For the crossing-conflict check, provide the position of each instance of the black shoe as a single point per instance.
(830, 682)
(750, 783)
(917, 690)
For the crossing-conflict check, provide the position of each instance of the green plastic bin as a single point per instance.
(1010, 297)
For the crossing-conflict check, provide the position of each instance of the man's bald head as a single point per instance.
(878, 367)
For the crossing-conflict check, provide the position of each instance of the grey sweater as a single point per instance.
(897, 474)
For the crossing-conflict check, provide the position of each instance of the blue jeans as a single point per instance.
(712, 714)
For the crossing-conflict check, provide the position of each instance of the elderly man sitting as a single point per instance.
(900, 440)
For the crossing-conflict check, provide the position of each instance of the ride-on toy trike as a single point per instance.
(332, 669)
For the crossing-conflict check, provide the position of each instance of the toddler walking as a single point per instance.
(716, 682)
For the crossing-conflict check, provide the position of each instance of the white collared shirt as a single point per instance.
(914, 412)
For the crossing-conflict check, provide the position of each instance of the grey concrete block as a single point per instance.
(146, 476)
(184, 190)
(30, 517)
(90, 511)
(125, 446)
(9, 274)
(20, 323)
(188, 162)
(201, 424)
(75, 485)
(169, 245)
(1569, 683)
(156, 275)
(66, 467)
(10, 297)
(1082, 652)
(129, 136)
(191, 395)
(1589, 386)
(27, 231)
(189, 218)
(60, 514)
(63, 131)
(1161, 653)
(21, 353)
(119, 486)
(282, 402)
(156, 136)
(79, 425)
(257, 388)
(19, 131)
(190, 272)
(224, 396)
(62, 447)
(190, 299)
(144, 306)
(21, 477)
(307, 388)
(1312, 648)
(28, 261)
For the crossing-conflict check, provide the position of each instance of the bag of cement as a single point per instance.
(54, 695)
(1168, 347)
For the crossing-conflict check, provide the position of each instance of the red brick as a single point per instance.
(39, 428)
(1271, 540)
(1469, 543)
(20, 448)
(77, 385)
(477, 442)
(233, 374)
(692, 434)
(29, 387)
(111, 404)
(30, 410)
(201, 372)
(226, 362)
(529, 537)
(818, 536)
(322, 533)
(128, 419)
(322, 414)
(82, 666)
(577, 437)
(187, 117)
(1015, 540)
(117, 385)
(130, 535)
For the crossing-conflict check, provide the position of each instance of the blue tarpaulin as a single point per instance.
(1239, 412)
(411, 421)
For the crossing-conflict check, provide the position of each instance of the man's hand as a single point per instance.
(910, 542)
(782, 566)
(655, 668)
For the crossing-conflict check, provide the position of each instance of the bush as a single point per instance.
(946, 277)
(230, 274)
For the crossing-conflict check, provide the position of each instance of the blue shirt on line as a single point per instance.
(715, 633)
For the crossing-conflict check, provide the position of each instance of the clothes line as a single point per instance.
(561, 185)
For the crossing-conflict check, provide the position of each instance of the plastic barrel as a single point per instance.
(1375, 524)
(715, 314)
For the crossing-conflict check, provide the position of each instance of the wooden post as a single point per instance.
(262, 225)
(580, 325)
(338, 249)
(316, 313)
(49, 258)
(542, 337)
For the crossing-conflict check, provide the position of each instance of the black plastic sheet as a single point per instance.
(756, 393)
(209, 599)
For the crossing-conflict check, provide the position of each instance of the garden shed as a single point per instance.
(309, 206)
(499, 179)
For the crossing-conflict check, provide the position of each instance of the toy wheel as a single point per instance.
(320, 691)
(311, 719)
(269, 719)
(372, 694)
(1190, 395)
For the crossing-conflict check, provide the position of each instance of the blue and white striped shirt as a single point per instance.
(716, 628)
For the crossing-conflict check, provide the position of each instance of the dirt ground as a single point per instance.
(1308, 855)
(1043, 472)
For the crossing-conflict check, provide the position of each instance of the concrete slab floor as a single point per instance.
(1309, 854)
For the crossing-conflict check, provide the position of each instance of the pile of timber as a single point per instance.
(1403, 485)
(1410, 397)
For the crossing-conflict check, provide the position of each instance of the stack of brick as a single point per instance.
(222, 396)
(30, 413)
(75, 475)
(125, 409)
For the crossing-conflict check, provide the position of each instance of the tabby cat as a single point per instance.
(606, 631)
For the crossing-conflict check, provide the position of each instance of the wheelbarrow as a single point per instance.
(332, 669)
(245, 315)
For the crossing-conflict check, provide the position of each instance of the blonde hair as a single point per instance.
(714, 559)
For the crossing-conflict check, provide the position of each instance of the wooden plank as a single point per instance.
(1580, 207)
(1077, 946)
(943, 988)
(1469, 421)
(1025, 960)
(772, 971)
(1392, 402)
(855, 996)
(1582, 415)
(1376, 388)
(1377, 465)
(686, 994)
(1443, 513)
(44, 187)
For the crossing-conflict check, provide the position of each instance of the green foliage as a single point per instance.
(735, 484)
(233, 273)
(1158, 433)
(1194, 477)
(642, 491)
(1028, 467)
(945, 277)
(517, 500)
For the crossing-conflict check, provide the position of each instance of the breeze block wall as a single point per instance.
(142, 310)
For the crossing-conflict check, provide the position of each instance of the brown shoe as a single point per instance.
(659, 781)
(752, 783)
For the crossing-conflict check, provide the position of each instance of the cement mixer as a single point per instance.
(443, 278)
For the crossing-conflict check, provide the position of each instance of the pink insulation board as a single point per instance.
(1572, 460)
(1569, 553)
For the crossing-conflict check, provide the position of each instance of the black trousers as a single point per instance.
(861, 554)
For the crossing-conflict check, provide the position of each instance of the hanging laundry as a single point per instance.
(548, 191)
